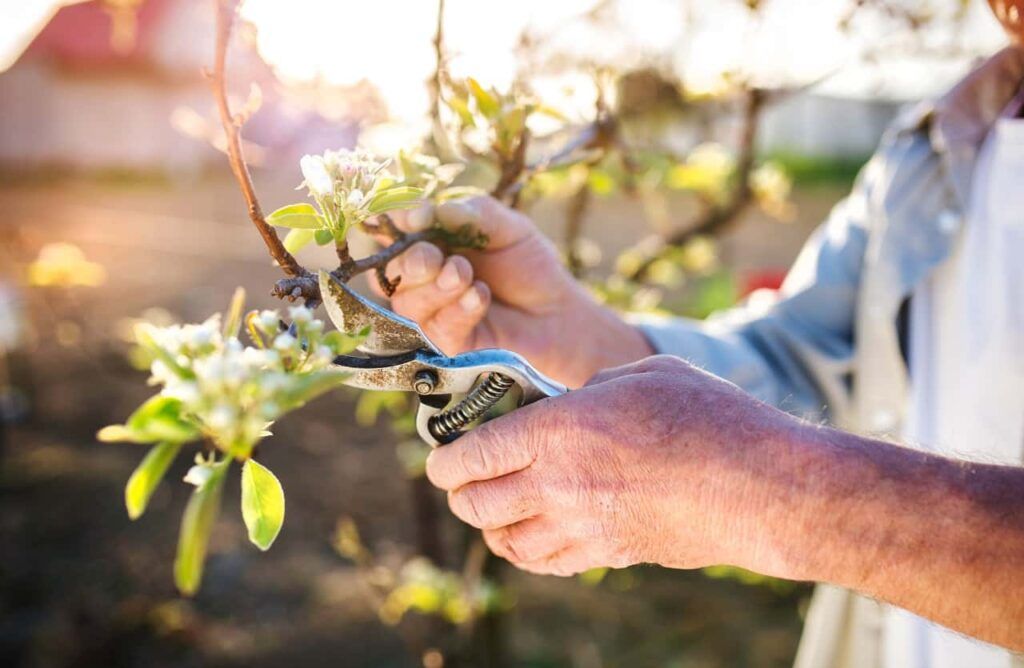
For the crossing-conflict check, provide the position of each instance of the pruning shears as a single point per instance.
(453, 392)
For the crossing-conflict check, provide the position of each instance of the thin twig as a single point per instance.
(307, 287)
(717, 218)
(512, 169)
(575, 214)
(226, 13)
(438, 77)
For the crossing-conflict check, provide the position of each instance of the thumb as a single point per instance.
(503, 226)
(413, 220)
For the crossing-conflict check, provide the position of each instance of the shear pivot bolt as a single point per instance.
(425, 382)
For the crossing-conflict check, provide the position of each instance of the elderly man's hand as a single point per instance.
(515, 294)
(652, 462)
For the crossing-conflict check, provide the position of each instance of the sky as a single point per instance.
(388, 42)
(795, 41)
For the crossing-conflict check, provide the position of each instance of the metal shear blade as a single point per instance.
(390, 333)
(399, 356)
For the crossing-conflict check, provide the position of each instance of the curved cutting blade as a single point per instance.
(390, 333)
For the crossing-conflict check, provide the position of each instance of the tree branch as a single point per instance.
(307, 287)
(226, 13)
(438, 76)
(719, 217)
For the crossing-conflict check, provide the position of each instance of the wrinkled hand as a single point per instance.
(653, 462)
(515, 294)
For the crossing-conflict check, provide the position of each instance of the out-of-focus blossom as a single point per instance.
(230, 392)
(772, 187)
(62, 264)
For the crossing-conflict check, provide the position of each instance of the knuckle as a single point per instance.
(477, 459)
(667, 363)
(467, 505)
(509, 547)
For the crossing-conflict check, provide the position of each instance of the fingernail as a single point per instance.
(470, 301)
(449, 279)
(459, 211)
(416, 263)
(420, 217)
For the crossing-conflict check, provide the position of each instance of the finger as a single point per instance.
(417, 266)
(567, 562)
(532, 539)
(422, 302)
(413, 220)
(452, 327)
(492, 450)
(502, 226)
(493, 504)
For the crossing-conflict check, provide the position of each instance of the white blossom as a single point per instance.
(318, 179)
(184, 391)
(268, 321)
(300, 314)
(221, 417)
(198, 474)
(285, 342)
(235, 391)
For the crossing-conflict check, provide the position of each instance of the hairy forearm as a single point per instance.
(592, 338)
(939, 537)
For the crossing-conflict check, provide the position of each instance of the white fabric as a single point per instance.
(967, 368)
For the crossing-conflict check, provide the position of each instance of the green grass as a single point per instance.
(810, 171)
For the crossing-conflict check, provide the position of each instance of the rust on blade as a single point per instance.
(390, 333)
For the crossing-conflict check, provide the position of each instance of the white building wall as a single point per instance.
(55, 118)
(825, 127)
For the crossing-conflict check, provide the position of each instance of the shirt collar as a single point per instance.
(961, 119)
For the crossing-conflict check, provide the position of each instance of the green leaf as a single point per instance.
(300, 216)
(145, 341)
(550, 112)
(147, 476)
(402, 197)
(262, 504)
(487, 103)
(196, 524)
(158, 419)
(460, 107)
(323, 237)
(308, 386)
(233, 320)
(600, 182)
(460, 192)
(117, 433)
(296, 240)
(343, 343)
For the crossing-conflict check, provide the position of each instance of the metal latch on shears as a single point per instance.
(453, 391)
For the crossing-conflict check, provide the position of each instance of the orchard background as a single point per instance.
(747, 120)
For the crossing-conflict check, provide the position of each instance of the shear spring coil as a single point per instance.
(479, 401)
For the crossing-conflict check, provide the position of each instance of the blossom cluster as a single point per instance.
(351, 186)
(234, 391)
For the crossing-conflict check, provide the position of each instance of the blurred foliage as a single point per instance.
(809, 171)
(64, 265)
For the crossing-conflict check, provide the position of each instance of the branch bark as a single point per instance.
(438, 77)
(718, 218)
(227, 11)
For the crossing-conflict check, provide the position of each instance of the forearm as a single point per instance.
(598, 338)
(941, 538)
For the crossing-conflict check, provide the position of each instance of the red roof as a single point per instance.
(83, 35)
